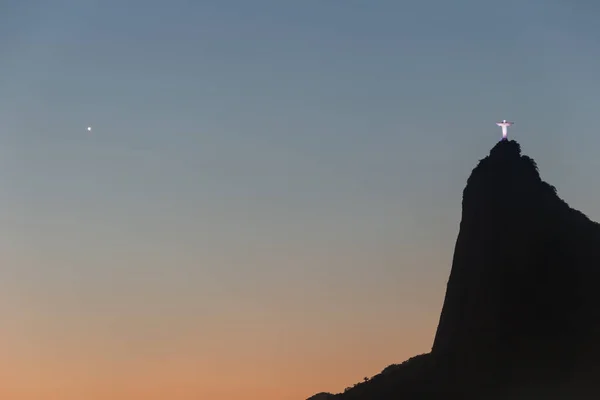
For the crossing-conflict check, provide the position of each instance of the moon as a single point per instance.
(89, 128)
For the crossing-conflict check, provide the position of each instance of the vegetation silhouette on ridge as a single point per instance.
(521, 315)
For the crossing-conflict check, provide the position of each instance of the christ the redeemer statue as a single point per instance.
(504, 124)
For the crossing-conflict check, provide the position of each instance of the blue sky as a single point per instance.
(262, 150)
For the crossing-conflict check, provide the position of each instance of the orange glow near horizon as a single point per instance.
(173, 359)
(105, 322)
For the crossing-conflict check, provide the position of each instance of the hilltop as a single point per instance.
(521, 315)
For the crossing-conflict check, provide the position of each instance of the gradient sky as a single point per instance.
(267, 205)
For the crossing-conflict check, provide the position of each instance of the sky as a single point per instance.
(267, 204)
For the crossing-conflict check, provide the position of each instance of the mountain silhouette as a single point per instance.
(521, 315)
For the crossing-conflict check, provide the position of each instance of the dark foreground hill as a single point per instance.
(521, 316)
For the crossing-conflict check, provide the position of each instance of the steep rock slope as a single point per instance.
(521, 315)
(521, 301)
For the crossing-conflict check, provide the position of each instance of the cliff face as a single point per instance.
(521, 316)
(522, 294)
